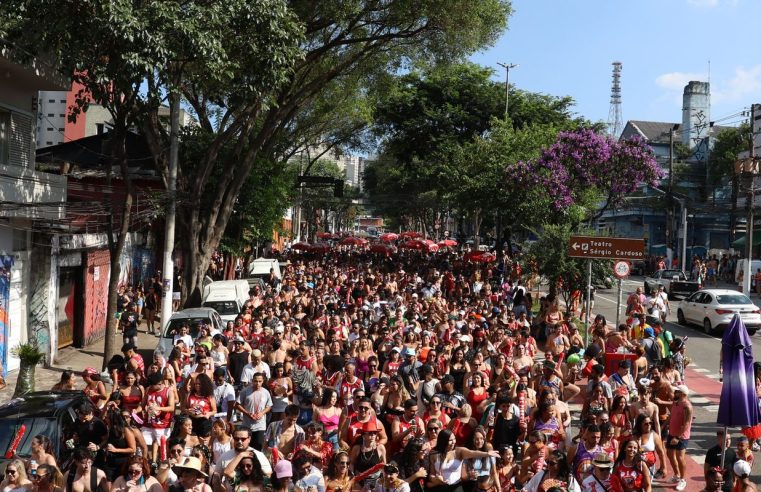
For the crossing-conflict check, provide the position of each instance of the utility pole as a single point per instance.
(171, 209)
(507, 67)
(748, 270)
(670, 203)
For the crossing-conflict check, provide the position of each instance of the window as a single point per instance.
(48, 143)
(60, 129)
(50, 129)
(5, 136)
(51, 100)
(50, 115)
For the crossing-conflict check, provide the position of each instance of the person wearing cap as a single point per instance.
(599, 479)
(743, 482)
(281, 476)
(409, 370)
(451, 399)
(652, 346)
(679, 428)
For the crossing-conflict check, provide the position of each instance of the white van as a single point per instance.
(227, 297)
(260, 268)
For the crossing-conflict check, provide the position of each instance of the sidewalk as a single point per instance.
(76, 359)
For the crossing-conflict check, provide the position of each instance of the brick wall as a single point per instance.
(96, 295)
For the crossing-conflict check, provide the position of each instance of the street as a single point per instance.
(702, 375)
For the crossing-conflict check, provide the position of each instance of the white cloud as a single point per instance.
(743, 84)
(675, 81)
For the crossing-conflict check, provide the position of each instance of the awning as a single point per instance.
(740, 242)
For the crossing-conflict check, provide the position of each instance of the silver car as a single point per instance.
(193, 317)
(713, 310)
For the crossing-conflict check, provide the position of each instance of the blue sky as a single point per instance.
(566, 47)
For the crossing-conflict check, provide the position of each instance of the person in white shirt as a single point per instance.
(224, 394)
(184, 335)
(241, 444)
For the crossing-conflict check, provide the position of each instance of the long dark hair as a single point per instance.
(442, 441)
(116, 424)
(256, 476)
(410, 463)
(327, 394)
(622, 450)
(637, 430)
(207, 387)
(333, 466)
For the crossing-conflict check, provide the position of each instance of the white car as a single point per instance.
(192, 317)
(713, 309)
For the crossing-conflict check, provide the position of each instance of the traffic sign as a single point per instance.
(621, 269)
(606, 248)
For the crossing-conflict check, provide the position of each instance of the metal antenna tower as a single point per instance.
(615, 118)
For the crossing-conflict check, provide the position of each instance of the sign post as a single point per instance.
(621, 270)
(604, 248)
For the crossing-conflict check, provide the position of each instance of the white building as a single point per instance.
(27, 197)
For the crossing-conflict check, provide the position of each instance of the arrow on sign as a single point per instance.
(575, 246)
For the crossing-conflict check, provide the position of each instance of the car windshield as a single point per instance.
(672, 273)
(733, 299)
(223, 307)
(175, 325)
(34, 426)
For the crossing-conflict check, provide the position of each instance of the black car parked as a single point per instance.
(50, 413)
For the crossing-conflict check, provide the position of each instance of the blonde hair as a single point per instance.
(20, 471)
(466, 410)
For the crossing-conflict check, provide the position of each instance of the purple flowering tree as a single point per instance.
(583, 166)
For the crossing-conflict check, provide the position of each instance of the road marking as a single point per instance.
(714, 376)
(700, 369)
(711, 408)
(700, 459)
(699, 400)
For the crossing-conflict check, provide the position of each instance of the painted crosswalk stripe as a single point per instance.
(700, 369)
(699, 400)
(700, 459)
(711, 408)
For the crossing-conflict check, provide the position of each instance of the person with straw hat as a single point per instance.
(191, 476)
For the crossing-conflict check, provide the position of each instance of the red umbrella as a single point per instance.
(413, 244)
(325, 235)
(431, 246)
(410, 235)
(353, 241)
(384, 249)
(320, 248)
(388, 237)
(301, 246)
(447, 243)
(480, 257)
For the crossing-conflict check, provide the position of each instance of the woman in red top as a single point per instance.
(630, 473)
(477, 393)
(131, 395)
(392, 364)
(200, 404)
(94, 389)
(463, 426)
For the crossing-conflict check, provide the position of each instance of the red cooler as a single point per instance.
(613, 358)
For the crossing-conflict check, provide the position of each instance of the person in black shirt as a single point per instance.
(128, 321)
(504, 426)
(713, 459)
(239, 357)
(90, 431)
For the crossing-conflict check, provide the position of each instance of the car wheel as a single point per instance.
(751, 332)
(680, 318)
(707, 328)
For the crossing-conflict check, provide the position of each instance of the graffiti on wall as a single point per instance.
(38, 307)
(6, 263)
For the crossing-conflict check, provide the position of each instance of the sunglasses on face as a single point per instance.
(135, 471)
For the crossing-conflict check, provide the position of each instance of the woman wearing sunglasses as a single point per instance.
(338, 478)
(136, 477)
(15, 478)
(47, 479)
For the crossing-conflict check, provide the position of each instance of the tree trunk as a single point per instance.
(116, 248)
(476, 229)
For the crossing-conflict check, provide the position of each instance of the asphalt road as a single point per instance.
(702, 375)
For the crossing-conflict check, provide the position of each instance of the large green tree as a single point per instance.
(346, 47)
(128, 54)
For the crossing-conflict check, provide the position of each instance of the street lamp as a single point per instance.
(507, 67)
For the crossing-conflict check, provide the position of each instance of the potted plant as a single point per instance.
(30, 355)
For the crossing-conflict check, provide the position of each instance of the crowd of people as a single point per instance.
(406, 374)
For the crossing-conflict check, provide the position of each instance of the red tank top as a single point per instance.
(393, 368)
(161, 420)
(140, 364)
(305, 364)
(462, 432)
(201, 403)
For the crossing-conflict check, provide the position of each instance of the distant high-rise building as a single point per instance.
(354, 167)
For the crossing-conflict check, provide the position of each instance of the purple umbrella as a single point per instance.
(738, 406)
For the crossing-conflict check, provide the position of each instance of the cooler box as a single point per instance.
(613, 358)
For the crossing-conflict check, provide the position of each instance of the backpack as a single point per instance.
(303, 383)
(653, 350)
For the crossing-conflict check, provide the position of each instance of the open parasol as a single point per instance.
(301, 246)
